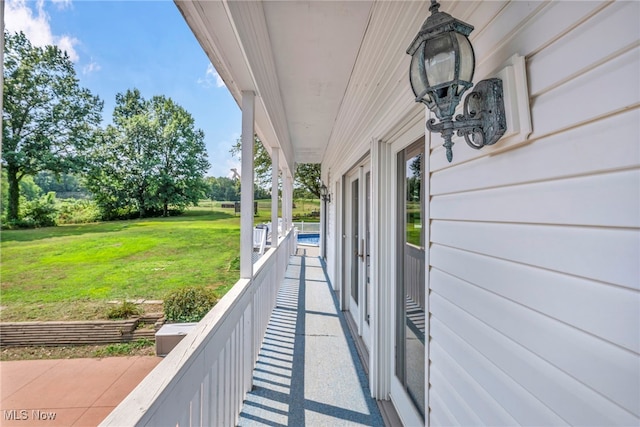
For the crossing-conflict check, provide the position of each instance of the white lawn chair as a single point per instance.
(259, 240)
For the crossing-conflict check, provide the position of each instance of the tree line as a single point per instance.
(307, 180)
(151, 160)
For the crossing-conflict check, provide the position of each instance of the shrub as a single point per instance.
(16, 224)
(189, 304)
(124, 311)
(41, 212)
(78, 211)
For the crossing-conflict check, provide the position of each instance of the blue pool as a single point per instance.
(312, 239)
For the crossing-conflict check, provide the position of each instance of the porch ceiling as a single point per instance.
(298, 56)
(315, 47)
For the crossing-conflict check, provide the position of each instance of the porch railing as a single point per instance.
(307, 227)
(204, 380)
(414, 274)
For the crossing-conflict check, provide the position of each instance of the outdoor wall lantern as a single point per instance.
(442, 67)
(324, 194)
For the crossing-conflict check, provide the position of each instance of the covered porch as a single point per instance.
(296, 380)
(501, 290)
(260, 356)
(265, 355)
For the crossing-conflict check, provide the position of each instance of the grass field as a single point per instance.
(71, 272)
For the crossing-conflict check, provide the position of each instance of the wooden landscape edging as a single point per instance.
(23, 334)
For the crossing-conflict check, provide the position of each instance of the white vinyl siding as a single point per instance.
(535, 252)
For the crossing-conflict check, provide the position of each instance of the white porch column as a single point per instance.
(246, 183)
(382, 273)
(288, 184)
(285, 202)
(275, 172)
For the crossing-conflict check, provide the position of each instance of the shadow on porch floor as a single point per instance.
(308, 371)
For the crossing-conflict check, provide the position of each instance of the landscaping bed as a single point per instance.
(136, 348)
(69, 310)
(25, 334)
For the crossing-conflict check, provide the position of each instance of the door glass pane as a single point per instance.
(354, 245)
(413, 211)
(410, 275)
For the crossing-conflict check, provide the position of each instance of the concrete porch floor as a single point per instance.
(308, 371)
(67, 392)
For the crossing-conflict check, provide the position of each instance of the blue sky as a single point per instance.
(119, 45)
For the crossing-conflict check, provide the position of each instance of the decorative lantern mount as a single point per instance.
(324, 194)
(442, 67)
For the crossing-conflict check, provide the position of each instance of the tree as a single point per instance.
(260, 193)
(122, 160)
(65, 185)
(415, 180)
(261, 161)
(151, 158)
(48, 119)
(308, 178)
(29, 190)
(307, 175)
(223, 188)
(181, 154)
(109, 176)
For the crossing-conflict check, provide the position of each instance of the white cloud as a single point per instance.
(35, 24)
(91, 68)
(211, 78)
(62, 4)
(213, 73)
(66, 43)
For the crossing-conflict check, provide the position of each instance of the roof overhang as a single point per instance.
(297, 56)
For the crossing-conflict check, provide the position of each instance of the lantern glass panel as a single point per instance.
(440, 60)
(467, 59)
(416, 74)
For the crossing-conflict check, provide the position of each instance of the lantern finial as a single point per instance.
(434, 6)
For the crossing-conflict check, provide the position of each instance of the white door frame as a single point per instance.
(351, 245)
(384, 383)
(355, 252)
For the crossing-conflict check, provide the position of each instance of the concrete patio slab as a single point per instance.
(68, 392)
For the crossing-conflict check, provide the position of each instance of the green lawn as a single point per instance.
(72, 271)
(301, 212)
